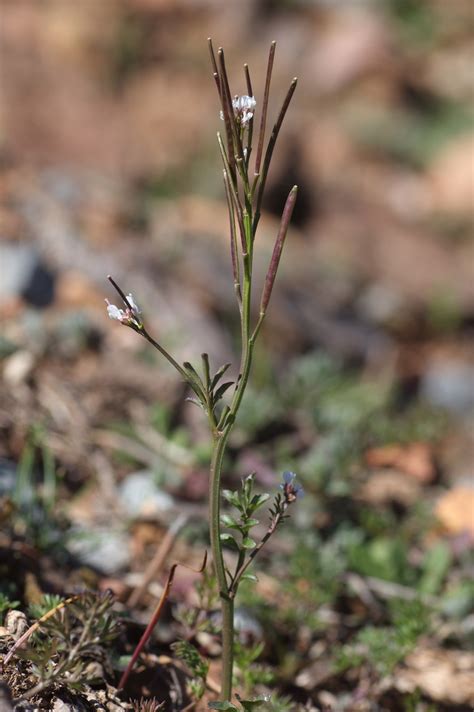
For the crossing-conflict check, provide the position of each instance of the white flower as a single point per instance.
(244, 108)
(114, 312)
(135, 309)
(125, 316)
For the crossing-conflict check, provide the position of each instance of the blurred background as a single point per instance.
(364, 377)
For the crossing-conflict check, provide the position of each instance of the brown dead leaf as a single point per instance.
(415, 460)
(452, 177)
(455, 510)
(444, 675)
(384, 486)
(146, 536)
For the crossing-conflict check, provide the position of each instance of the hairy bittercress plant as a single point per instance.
(245, 177)
(67, 645)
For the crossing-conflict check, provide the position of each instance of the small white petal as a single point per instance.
(246, 116)
(135, 309)
(114, 312)
(244, 103)
(250, 103)
(244, 107)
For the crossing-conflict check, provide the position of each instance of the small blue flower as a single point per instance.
(291, 490)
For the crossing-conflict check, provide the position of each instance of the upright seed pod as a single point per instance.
(280, 241)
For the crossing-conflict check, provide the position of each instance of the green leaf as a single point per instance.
(46, 604)
(249, 523)
(228, 521)
(258, 500)
(206, 370)
(249, 577)
(189, 368)
(229, 540)
(221, 391)
(232, 498)
(436, 565)
(222, 706)
(247, 485)
(194, 379)
(219, 375)
(384, 557)
(249, 705)
(248, 543)
(188, 652)
(196, 402)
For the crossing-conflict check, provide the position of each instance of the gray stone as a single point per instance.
(140, 497)
(104, 549)
(380, 305)
(18, 261)
(7, 476)
(18, 367)
(450, 384)
(24, 274)
(248, 628)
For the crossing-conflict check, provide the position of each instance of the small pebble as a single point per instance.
(103, 549)
(140, 497)
(18, 367)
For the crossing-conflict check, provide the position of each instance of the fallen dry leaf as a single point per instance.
(455, 510)
(415, 459)
(451, 176)
(444, 675)
(384, 486)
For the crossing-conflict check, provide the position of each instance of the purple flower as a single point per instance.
(291, 490)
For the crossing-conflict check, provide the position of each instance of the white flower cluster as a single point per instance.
(124, 315)
(244, 108)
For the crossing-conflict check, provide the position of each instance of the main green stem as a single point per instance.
(220, 439)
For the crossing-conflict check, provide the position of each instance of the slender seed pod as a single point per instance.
(227, 113)
(227, 106)
(213, 58)
(233, 238)
(270, 147)
(275, 260)
(263, 119)
(248, 81)
(234, 193)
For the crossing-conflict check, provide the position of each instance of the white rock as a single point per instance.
(18, 367)
(140, 497)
